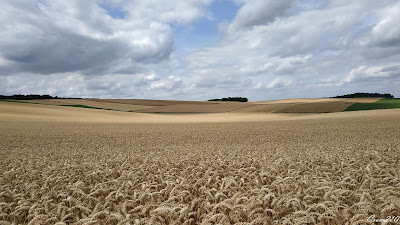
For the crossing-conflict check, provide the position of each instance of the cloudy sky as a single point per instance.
(199, 49)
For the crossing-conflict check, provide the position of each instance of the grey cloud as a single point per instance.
(216, 77)
(292, 65)
(76, 36)
(280, 82)
(215, 82)
(67, 85)
(391, 69)
(121, 83)
(173, 11)
(260, 12)
(364, 73)
(78, 85)
(170, 83)
(60, 52)
(387, 32)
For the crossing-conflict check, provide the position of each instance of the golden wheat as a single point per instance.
(318, 169)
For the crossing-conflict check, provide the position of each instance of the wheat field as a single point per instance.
(64, 165)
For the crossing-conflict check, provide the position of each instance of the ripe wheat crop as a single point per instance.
(326, 169)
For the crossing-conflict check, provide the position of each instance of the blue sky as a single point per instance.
(204, 31)
(113, 11)
(199, 49)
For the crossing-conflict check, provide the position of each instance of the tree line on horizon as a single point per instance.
(31, 97)
(365, 95)
(230, 99)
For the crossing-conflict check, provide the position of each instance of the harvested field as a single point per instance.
(19, 112)
(147, 106)
(293, 100)
(305, 105)
(319, 107)
(358, 100)
(91, 103)
(150, 102)
(301, 105)
(262, 108)
(86, 166)
(193, 108)
(312, 100)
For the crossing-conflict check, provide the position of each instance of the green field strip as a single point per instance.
(389, 103)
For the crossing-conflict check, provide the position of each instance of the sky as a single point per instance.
(199, 49)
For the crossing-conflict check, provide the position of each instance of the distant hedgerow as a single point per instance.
(230, 99)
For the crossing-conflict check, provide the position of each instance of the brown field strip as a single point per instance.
(305, 105)
(327, 106)
(146, 102)
(318, 107)
(293, 100)
(87, 102)
(209, 108)
(58, 168)
(262, 108)
(312, 100)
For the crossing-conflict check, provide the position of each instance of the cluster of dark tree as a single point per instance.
(365, 95)
(30, 97)
(230, 99)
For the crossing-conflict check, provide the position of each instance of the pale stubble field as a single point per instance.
(339, 168)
